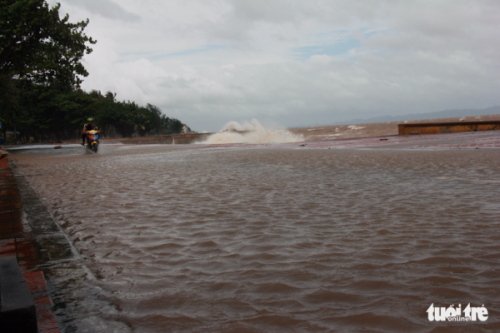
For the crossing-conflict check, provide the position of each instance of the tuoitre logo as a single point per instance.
(452, 313)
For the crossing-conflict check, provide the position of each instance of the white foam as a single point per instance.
(354, 127)
(253, 132)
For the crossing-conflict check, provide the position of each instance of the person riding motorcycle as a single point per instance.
(88, 127)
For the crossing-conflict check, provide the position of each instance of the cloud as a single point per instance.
(295, 62)
(338, 48)
(105, 8)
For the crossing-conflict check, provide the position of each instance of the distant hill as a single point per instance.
(422, 116)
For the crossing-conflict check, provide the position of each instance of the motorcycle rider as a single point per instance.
(88, 127)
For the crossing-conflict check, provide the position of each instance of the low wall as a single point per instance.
(436, 128)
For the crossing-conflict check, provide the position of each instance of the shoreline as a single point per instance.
(310, 134)
(371, 130)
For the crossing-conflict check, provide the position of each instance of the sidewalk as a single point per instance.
(17, 240)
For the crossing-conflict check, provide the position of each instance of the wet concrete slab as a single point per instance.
(54, 247)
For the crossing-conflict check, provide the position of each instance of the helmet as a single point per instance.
(90, 119)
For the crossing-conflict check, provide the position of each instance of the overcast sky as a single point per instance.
(292, 63)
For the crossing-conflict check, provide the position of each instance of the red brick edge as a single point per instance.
(24, 251)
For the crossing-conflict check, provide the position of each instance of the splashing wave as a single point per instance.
(253, 132)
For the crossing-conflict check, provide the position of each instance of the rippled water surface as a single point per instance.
(261, 239)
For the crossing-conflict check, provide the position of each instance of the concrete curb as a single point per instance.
(17, 308)
(54, 270)
(19, 248)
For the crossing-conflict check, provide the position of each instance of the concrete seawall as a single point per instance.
(163, 139)
(448, 127)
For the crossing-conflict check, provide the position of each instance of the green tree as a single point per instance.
(146, 121)
(170, 125)
(38, 45)
(125, 118)
(175, 126)
(156, 112)
(49, 112)
(9, 107)
(106, 112)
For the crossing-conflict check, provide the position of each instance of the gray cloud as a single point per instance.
(408, 57)
(105, 8)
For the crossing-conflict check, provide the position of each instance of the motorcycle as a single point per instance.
(93, 140)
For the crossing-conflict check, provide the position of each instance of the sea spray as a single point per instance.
(253, 132)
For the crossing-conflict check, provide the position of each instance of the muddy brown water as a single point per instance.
(196, 239)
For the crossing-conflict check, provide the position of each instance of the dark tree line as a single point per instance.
(46, 113)
(40, 77)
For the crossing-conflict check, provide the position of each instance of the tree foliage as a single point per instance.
(38, 45)
(47, 113)
(40, 76)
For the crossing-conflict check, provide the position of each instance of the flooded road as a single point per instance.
(203, 239)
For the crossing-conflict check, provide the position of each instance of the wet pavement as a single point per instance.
(346, 235)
